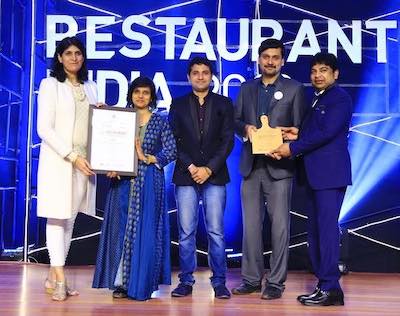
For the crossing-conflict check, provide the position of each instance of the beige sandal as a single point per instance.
(72, 292)
(60, 292)
(50, 285)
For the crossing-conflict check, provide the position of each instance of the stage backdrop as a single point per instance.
(125, 39)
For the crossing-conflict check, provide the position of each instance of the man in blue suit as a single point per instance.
(322, 144)
(202, 122)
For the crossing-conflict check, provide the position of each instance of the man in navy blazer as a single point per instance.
(322, 144)
(202, 122)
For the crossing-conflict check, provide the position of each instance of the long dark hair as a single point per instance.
(57, 68)
(142, 82)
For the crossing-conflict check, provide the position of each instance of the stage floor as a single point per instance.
(21, 293)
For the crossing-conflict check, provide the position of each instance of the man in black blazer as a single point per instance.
(202, 122)
(265, 180)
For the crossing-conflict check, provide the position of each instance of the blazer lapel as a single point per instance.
(91, 95)
(274, 102)
(193, 114)
(66, 101)
(66, 97)
(253, 101)
(207, 116)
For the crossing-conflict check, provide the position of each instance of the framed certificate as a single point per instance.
(111, 140)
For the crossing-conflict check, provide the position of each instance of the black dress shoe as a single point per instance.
(271, 293)
(120, 293)
(325, 298)
(222, 292)
(246, 288)
(182, 290)
(303, 297)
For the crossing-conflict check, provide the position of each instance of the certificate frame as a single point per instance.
(111, 140)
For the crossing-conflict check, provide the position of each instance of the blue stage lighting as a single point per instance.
(375, 149)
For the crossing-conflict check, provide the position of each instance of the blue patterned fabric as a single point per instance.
(112, 233)
(138, 209)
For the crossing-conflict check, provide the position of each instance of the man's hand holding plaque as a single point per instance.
(288, 134)
(266, 139)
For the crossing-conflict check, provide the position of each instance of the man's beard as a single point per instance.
(270, 72)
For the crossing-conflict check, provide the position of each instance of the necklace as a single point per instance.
(77, 91)
(144, 118)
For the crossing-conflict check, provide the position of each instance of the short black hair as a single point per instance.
(199, 61)
(142, 82)
(271, 43)
(57, 68)
(325, 59)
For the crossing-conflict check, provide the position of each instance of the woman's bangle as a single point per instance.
(72, 157)
(150, 159)
(146, 160)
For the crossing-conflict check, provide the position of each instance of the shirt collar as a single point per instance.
(270, 84)
(197, 98)
(319, 93)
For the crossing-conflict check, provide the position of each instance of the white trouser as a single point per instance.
(59, 231)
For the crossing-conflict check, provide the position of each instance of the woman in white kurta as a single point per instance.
(66, 183)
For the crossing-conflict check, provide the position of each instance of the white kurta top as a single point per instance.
(55, 126)
(80, 135)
